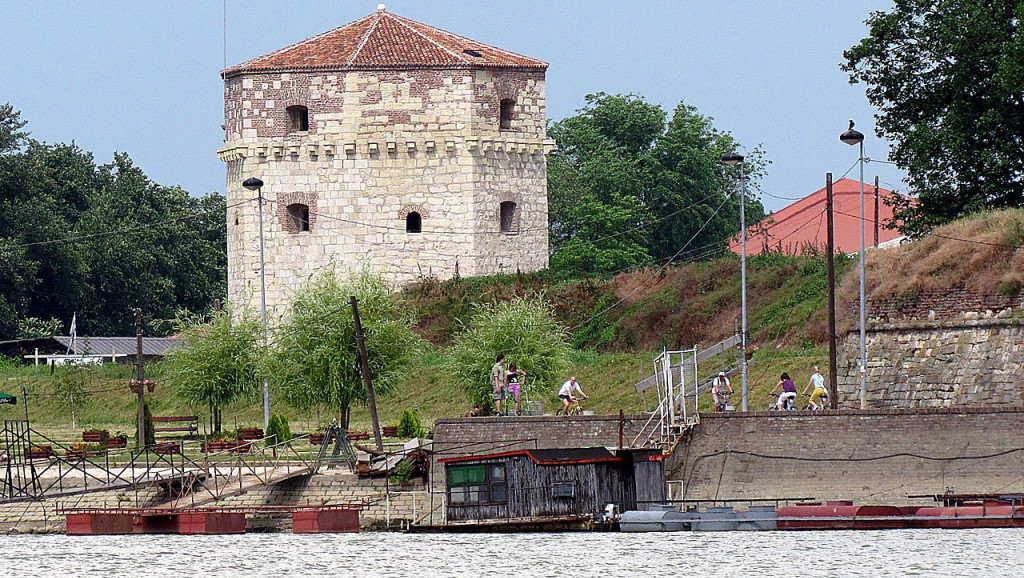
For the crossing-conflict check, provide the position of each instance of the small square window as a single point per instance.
(563, 490)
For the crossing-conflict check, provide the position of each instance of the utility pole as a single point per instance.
(364, 366)
(832, 386)
(876, 210)
(139, 376)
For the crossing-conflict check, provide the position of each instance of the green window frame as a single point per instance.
(477, 484)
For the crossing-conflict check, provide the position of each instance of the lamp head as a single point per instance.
(851, 136)
(732, 159)
(252, 183)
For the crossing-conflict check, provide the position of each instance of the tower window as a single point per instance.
(413, 223)
(298, 119)
(509, 218)
(298, 218)
(507, 106)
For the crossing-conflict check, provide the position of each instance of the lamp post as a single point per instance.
(854, 137)
(732, 159)
(254, 184)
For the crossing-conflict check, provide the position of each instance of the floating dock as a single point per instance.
(308, 519)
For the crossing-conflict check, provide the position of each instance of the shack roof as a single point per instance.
(549, 457)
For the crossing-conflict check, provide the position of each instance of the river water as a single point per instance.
(982, 552)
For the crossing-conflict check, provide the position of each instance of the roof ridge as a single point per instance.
(366, 36)
(401, 20)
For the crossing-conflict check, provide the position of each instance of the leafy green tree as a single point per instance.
(216, 364)
(315, 356)
(525, 331)
(11, 135)
(70, 392)
(948, 77)
(628, 184)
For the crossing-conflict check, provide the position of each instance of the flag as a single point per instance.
(74, 330)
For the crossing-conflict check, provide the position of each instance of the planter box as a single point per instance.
(317, 439)
(225, 446)
(94, 436)
(117, 442)
(73, 455)
(389, 431)
(38, 453)
(357, 435)
(165, 448)
(250, 434)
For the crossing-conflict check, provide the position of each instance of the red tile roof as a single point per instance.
(384, 40)
(805, 223)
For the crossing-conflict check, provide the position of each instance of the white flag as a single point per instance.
(74, 330)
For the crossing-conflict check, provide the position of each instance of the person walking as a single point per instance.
(498, 382)
(788, 392)
(817, 382)
(513, 381)
(721, 389)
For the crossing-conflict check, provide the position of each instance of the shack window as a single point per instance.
(477, 484)
(298, 119)
(563, 490)
(507, 106)
(509, 217)
(413, 223)
(298, 218)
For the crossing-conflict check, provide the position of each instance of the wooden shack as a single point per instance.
(551, 483)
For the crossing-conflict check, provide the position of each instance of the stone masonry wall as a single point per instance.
(382, 144)
(932, 305)
(871, 456)
(925, 364)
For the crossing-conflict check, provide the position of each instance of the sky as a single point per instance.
(144, 77)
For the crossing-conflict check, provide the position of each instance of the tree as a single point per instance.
(947, 77)
(525, 331)
(217, 362)
(627, 184)
(315, 359)
(11, 135)
(69, 390)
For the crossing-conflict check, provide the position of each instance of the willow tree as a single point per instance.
(315, 358)
(217, 362)
(525, 331)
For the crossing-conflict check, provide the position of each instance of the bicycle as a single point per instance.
(790, 405)
(723, 401)
(574, 407)
(822, 402)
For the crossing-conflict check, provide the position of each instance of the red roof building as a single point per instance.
(804, 224)
(384, 40)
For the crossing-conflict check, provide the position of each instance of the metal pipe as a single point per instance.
(863, 342)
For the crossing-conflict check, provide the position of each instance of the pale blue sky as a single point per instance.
(143, 77)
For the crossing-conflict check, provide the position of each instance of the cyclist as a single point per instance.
(818, 383)
(788, 394)
(565, 393)
(721, 389)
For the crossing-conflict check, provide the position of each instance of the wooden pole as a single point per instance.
(832, 365)
(140, 377)
(367, 381)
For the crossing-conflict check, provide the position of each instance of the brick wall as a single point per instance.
(871, 456)
(944, 304)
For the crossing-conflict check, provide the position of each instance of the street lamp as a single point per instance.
(254, 184)
(732, 159)
(854, 137)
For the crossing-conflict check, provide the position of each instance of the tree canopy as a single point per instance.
(99, 240)
(628, 184)
(525, 331)
(948, 79)
(314, 359)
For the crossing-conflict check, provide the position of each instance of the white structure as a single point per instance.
(389, 145)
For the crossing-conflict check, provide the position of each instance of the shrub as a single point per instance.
(409, 425)
(278, 428)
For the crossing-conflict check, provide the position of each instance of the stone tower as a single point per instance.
(389, 145)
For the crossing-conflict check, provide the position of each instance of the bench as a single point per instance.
(191, 423)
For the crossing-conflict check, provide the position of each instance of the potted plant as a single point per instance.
(39, 452)
(133, 384)
(118, 440)
(83, 450)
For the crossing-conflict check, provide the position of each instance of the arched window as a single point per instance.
(298, 218)
(507, 106)
(509, 218)
(413, 223)
(298, 118)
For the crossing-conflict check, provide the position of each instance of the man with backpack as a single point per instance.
(721, 389)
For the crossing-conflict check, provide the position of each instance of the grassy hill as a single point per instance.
(618, 324)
